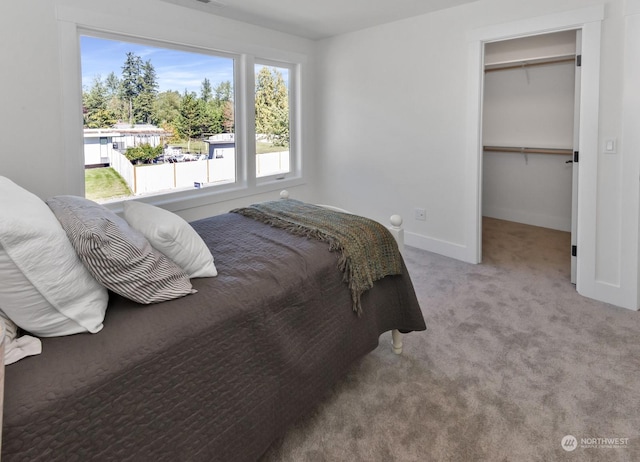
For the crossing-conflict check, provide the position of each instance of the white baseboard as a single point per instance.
(528, 218)
(601, 291)
(448, 249)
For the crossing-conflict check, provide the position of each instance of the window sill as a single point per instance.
(188, 199)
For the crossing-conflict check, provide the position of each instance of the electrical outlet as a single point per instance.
(610, 146)
(421, 214)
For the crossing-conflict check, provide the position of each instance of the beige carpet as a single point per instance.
(513, 361)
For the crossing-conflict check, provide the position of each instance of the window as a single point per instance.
(169, 111)
(231, 151)
(272, 120)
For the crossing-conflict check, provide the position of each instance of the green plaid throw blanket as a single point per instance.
(368, 251)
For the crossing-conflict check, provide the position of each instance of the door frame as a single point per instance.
(575, 177)
(589, 21)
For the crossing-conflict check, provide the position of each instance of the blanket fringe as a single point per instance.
(357, 286)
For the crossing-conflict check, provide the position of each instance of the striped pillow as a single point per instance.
(117, 255)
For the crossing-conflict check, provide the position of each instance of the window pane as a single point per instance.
(272, 120)
(156, 119)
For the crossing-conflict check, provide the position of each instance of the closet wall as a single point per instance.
(529, 105)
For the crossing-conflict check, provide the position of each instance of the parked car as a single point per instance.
(188, 157)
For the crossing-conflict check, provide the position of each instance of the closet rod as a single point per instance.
(525, 64)
(562, 152)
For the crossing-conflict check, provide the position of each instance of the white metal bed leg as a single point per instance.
(397, 341)
(398, 234)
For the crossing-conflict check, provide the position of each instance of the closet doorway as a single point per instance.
(530, 137)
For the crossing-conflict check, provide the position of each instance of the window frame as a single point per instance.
(73, 23)
(293, 125)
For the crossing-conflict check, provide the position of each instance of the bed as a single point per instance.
(218, 374)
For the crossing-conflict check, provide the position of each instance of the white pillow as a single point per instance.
(173, 236)
(117, 255)
(16, 348)
(46, 290)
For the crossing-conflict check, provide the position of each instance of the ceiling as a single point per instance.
(318, 19)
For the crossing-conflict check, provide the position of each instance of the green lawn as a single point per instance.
(199, 147)
(105, 183)
(263, 147)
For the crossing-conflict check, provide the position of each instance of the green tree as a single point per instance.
(272, 106)
(131, 83)
(212, 118)
(112, 85)
(206, 94)
(218, 118)
(224, 100)
(170, 128)
(191, 120)
(167, 106)
(97, 113)
(115, 103)
(212, 114)
(142, 153)
(280, 127)
(224, 91)
(228, 121)
(148, 91)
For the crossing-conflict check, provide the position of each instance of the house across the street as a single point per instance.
(99, 143)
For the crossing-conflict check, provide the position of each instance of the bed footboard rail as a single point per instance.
(397, 232)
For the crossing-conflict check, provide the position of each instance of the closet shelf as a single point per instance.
(524, 150)
(518, 64)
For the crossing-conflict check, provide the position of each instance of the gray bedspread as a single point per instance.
(216, 375)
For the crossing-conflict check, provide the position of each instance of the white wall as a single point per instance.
(33, 50)
(393, 113)
(535, 191)
(384, 116)
(532, 107)
(529, 107)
